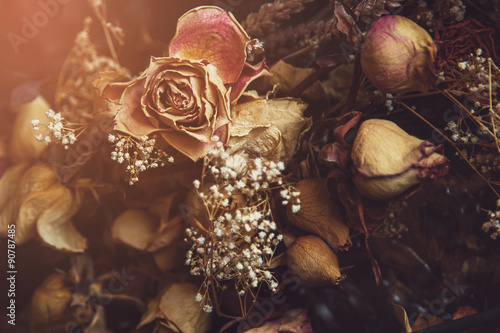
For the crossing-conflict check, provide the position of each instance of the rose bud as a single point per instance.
(313, 262)
(398, 56)
(387, 161)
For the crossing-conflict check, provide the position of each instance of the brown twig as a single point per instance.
(490, 185)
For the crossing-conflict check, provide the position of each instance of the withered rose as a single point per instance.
(398, 56)
(184, 101)
(387, 161)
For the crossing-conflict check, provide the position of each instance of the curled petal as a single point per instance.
(210, 33)
(131, 119)
(334, 155)
(347, 125)
(249, 74)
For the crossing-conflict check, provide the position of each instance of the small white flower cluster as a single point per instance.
(58, 131)
(139, 155)
(476, 68)
(236, 191)
(458, 135)
(493, 224)
(458, 10)
(484, 162)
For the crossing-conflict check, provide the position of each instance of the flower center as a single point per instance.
(175, 96)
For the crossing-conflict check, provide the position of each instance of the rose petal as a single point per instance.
(131, 119)
(192, 147)
(249, 74)
(213, 34)
(178, 306)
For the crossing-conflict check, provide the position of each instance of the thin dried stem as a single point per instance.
(490, 185)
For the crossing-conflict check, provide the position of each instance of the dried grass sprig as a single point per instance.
(271, 15)
(305, 36)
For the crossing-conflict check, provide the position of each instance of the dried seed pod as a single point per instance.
(320, 215)
(313, 262)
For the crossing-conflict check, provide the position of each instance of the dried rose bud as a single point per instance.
(398, 56)
(387, 161)
(313, 262)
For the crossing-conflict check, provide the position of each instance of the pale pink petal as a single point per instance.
(210, 33)
(131, 119)
(249, 73)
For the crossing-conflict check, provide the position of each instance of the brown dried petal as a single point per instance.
(170, 257)
(135, 228)
(9, 183)
(109, 88)
(30, 209)
(177, 305)
(313, 262)
(55, 227)
(292, 321)
(319, 215)
(18, 183)
(51, 303)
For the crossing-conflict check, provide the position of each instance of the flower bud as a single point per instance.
(398, 56)
(387, 161)
(313, 262)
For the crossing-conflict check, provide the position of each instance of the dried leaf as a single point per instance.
(23, 145)
(402, 317)
(177, 305)
(151, 313)
(292, 321)
(170, 257)
(268, 128)
(135, 228)
(30, 209)
(289, 77)
(170, 234)
(320, 215)
(313, 262)
(339, 82)
(287, 115)
(55, 227)
(21, 182)
(50, 304)
(347, 25)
